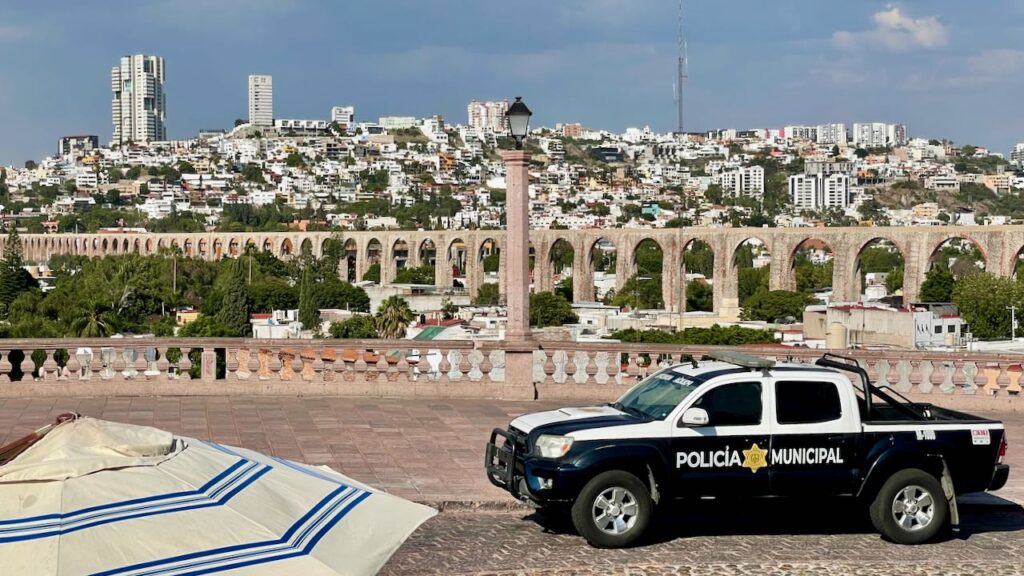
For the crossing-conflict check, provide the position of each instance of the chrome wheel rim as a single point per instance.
(913, 508)
(615, 511)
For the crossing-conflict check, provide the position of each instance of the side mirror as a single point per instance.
(695, 417)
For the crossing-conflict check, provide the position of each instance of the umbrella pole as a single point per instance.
(10, 451)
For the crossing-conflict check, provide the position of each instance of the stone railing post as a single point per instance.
(208, 364)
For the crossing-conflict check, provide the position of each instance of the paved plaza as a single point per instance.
(431, 451)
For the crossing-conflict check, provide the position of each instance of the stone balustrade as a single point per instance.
(569, 370)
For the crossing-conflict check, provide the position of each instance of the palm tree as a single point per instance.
(94, 320)
(393, 318)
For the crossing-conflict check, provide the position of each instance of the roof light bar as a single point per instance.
(741, 359)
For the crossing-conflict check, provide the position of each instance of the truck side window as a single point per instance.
(733, 404)
(800, 402)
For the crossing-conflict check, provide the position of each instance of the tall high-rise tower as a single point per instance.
(680, 72)
(261, 100)
(139, 107)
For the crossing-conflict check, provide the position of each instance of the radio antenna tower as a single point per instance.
(682, 66)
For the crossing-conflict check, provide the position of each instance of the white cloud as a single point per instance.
(895, 31)
(995, 63)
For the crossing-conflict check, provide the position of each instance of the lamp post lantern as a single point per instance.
(518, 116)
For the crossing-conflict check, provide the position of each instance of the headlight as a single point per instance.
(550, 446)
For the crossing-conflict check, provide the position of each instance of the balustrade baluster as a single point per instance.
(95, 364)
(360, 365)
(402, 366)
(959, 375)
(50, 366)
(185, 365)
(1002, 381)
(141, 364)
(28, 367)
(231, 364)
(445, 367)
(73, 368)
(914, 377)
(570, 367)
(632, 369)
(297, 365)
(486, 365)
(5, 366)
(591, 368)
(971, 371)
(253, 364)
(465, 367)
(318, 365)
(549, 366)
(163, 366)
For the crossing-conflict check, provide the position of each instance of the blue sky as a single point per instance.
(946, 68)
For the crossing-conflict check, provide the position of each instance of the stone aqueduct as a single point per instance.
(463, 251)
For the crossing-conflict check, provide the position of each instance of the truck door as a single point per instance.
(815, 438)
(727, 456)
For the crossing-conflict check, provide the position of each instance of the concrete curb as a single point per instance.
(467, 506)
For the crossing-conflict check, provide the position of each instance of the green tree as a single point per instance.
(419, 275)
(771, 305)
(372, 273)
(487, 295)
(359, 326)
(309, 315)
(894, 281)
(14, 279)
(699, 296)
(751, 281)
(937, 286)
(550, 309)
(393, 318)
(644, 292)
(333, 293)
(234, 309)
(714, 336)
(982, 300)
(565, 288)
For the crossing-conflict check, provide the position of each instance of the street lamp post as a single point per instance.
(517, 224)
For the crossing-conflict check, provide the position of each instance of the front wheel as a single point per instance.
(613, 509)
(910, 508)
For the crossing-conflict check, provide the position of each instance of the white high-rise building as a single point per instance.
(139, 107)
(831, 133)
(870, 134)
(803, 190)
(820, 191)
(344, 117)
(746, 181)
(1018, 154)
(487, 116)
(261, 100)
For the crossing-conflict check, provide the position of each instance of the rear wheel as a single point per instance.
(911, 507)
(613, 509)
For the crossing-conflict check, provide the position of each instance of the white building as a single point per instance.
(487, 116)
(1018, 154)
(343, 116)
(397, 122)
(820, 191)
(261, 100)
(800, 132)
(831, 133)
(139, 107)
(300, 126)
(745, 181)
(879, 134)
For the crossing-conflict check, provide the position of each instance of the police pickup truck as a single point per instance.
(744, 426)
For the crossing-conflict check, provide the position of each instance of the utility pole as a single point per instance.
(1013, 322)
(681, 66)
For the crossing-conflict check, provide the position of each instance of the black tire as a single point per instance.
(620, 529)
(903, 524)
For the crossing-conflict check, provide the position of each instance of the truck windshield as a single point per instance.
(658, 395)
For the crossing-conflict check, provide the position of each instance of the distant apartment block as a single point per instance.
(572, 130)
(831, 134)
(820, 191)
(300, 126)
(397, 122)
(746, 181)
(77, 144)
(879, 135)
(800, 133)
(344, 117)
(261, 100)
(487, 116)
(139, 106)
(1017, 155)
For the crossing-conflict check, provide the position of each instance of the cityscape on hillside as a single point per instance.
(564, 288)
(342, 174)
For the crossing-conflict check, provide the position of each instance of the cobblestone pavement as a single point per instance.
(772, 537)
(423, 449)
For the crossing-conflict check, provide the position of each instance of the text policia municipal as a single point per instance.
(756, 458)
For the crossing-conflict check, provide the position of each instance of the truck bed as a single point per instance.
(883, 414)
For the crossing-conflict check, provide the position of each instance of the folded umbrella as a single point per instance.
(103, 498)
